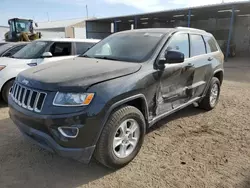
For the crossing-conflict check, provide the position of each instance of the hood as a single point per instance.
(75, 74)
(8, 61)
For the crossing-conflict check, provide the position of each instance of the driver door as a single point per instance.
(176, 78)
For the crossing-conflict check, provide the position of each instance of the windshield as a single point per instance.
(22, 25)
(33, 50)
(4, 47)
(131, 47)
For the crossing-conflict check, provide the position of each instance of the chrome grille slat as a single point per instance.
(30, 99)
(24, 95)
(35, 103)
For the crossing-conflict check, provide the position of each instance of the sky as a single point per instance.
(44, 10)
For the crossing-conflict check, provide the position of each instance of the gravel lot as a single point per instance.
(191, 148)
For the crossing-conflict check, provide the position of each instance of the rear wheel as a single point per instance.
(121, 138)
(6, 90)
(212, 96)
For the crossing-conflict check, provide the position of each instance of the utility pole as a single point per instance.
(87, 11)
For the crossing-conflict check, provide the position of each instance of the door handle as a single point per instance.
(189, 65)
(210, 59)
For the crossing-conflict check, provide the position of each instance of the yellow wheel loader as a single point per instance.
(21, 30)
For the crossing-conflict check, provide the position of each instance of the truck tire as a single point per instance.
(6, 90)
(121, 138)
(212, 95)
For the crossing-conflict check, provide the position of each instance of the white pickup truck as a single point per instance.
(37, 52)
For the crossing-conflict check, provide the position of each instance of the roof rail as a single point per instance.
(191, 29)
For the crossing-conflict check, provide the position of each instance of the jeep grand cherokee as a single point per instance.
(101, 103)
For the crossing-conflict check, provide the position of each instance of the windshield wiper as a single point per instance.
(106, 57)
(85, 56)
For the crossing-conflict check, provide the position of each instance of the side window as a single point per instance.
(197, 45)
(180, 43)
(211, 44)
(61, 49)
(13, 51)
(82, 47)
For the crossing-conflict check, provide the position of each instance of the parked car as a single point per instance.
(103, 104)
(37, 52)
(9, 49)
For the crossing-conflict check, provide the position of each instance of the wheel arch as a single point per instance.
(219, 74)
(135, 101)
(6, 83)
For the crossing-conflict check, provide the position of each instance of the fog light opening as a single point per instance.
(69, 132)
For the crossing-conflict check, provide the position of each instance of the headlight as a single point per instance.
(73, 99)
(2, 67)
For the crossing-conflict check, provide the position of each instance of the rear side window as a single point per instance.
(180, 43)
(211, 44)
(82, 47)
(61, 49)
(197, 45)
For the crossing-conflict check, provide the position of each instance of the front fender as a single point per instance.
(8, 74)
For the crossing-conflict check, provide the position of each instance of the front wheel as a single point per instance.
(212, 96)
(6, 90)
(121, 138)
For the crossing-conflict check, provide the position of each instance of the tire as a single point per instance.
(206, 103)
(6, 90)
(105, 152)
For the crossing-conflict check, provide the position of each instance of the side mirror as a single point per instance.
(36, 24)
(47, 55)
(174, 57)
(171, 57)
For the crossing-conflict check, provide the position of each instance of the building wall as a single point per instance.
(242, 35)
(69, 31)
(98, 30)
(52, 32)
(3, 30)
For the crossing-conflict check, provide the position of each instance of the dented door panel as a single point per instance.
(175, 80)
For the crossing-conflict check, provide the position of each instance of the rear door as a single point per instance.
(202, 63)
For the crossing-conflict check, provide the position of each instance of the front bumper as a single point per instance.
(42, 130)
(45, 141)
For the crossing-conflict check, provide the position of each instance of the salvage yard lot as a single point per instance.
(192, 148)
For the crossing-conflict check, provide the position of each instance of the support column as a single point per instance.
(189, 17)
(115, 26)
(230, 33)
(87, 31)
(135, 22)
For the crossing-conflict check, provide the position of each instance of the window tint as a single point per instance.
(211, 44)
(82, 47)
(179, 43)
(61, 49)
(13, 50)
(197, 45)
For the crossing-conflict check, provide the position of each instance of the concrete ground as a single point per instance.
(192, 148)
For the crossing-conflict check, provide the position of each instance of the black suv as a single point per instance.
(101, 103)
